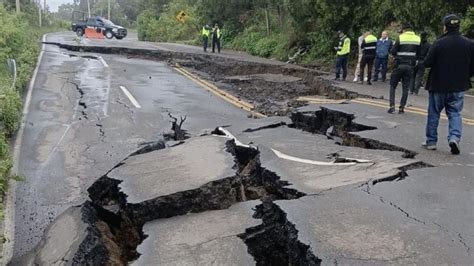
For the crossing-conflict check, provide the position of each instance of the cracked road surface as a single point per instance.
(110, 181)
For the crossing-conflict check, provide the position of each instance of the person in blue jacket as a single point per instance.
(384, 45)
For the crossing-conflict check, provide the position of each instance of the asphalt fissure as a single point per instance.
(341, 127)
(121, 223)
(275, 241)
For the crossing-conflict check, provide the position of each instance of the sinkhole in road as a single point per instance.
(341, 127)
(115, 227)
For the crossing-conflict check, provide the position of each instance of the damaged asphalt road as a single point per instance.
(129, 162)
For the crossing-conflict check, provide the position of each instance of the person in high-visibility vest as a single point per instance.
(342, 53)
(216, 38)
(369, 46)
(405, 51)
(206, 33)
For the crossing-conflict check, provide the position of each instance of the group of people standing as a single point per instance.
(214, 34)
(451, 63)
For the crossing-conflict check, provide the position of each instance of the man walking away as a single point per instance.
(451, 59)
(420, 65)
(359, 58)
(405, 51)
(206, 33)
(342, 54)
(216, 39)
(369, 45)
(384, 45)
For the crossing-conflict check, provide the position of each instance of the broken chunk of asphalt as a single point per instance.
(115, 228)
(251, 182)
(342, 126)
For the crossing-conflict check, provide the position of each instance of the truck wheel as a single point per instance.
(109, 35)
(118, 38)
(79, 32)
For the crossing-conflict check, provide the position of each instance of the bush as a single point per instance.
(255, 41)
(467, 26)
(166, 27)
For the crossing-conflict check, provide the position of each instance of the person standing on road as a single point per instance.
(405, 51)
(206, 33)
(451, 59)
(359, 58)
(420, 65)
(369, 45)
(342, 53)
(216, 39)
(384, 45)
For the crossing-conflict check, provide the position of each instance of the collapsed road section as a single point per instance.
(174, 182)
(273, 89)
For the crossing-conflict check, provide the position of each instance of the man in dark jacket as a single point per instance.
(451, 59)
(420, 65)
(384, 45)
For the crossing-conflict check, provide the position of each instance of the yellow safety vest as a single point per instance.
(206, 32)
(345, 48)
(218, 32)
(370, 39)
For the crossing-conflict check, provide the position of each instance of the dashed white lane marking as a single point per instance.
(130, 97)
(101, 59)
(306, 161)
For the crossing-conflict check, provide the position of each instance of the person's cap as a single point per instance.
(452, 21)
(406, 26)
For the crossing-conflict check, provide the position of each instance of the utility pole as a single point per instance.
(39, 12)
(108, 13)
(89, 8)
(18, 6)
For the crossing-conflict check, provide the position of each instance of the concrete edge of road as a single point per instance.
(9, 208)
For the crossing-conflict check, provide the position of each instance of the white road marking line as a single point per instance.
(101, 59)
(130, 97)
(230, 136)
(9, 212)
(470, 96)
(306, 161)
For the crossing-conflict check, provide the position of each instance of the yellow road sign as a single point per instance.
(182, 16)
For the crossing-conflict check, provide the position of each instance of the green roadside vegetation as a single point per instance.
(19, 40)
(277, 29)
(281, 28)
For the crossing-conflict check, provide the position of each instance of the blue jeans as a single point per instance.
(380, 66)
(453, 102)
(341, 64)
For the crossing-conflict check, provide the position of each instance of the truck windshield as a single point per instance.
(108, 23)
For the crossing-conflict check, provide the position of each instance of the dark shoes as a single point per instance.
(401, 110)
(391, 110)
(455, 148)
(369, 82)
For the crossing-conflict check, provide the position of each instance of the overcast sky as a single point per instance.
(53, 4)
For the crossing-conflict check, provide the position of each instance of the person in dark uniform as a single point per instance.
(405, 51)
(369, 46)
(206, 33)
(216, 39)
